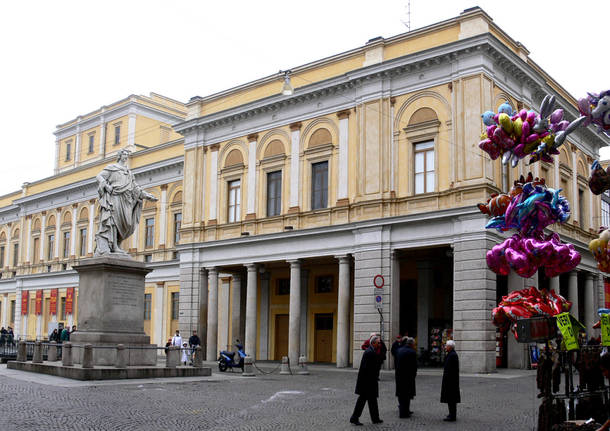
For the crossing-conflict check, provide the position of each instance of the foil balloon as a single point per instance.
(599, 249)
(599, 178)
(526, 303)
(514, 135)
(595, 108)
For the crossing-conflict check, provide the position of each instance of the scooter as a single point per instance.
(226, 359)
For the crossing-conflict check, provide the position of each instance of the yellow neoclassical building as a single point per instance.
(276, 211)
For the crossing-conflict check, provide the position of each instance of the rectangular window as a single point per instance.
(15, 254)
(148, 258)
(147, 305)
(177, 225)
(283, 286)
(68, 151)
(66, 249)
(175, 305)
(36, 250)
(51, 247)
(319, 185)
(324, 284)
(234, 200)
(150, 232)
(12, 315)
(605, 214)
(117, 135)
(274, 193)
(91, 143)
(62, 308)
(83, 242)
(581, 208)
(424, 167)
(2, 255)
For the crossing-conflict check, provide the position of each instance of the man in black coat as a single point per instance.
(406, 370)
(367, 386)
(450, 389)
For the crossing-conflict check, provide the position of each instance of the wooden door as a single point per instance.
(323, 338)
(281, 336)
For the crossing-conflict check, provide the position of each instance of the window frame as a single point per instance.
(234, 211)
(426, 147)
(68, 151)
(324, 190)
(65, 241)
(149, 232)
(91, 147)
(274, 204)
(147, 306)
(82, 244)
(117, 136)
(175, 305)
(177, 226)
(50, 246)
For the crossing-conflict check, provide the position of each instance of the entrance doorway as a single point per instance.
(323, 337)
(281, 336)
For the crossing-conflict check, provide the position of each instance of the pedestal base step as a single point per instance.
(108, 373)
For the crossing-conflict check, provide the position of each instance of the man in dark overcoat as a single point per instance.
(367, 386)
(405, 371)
(450, 389)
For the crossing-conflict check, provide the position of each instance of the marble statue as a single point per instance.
(120, 200)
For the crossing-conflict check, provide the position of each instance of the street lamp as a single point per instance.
(287, 89)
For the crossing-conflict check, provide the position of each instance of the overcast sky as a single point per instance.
(61, 59)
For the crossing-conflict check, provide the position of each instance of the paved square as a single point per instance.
(322, 400)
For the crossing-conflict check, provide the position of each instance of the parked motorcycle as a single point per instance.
(226, 359)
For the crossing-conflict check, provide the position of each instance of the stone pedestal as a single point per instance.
(111, 310)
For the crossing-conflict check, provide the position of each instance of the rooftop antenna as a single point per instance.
(407, 23)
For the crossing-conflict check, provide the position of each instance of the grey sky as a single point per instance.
(65, 58)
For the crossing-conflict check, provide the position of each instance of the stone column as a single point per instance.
(5, 309)
(91, 227)
(573, 293)
(251, 294)
(474, 286)
(425, 288)
(28, 252)
(554, 284)
(343, 155)
(203, 309)
(158, 316)
(56, 170)
(58, 222)
(294, 318)
(251, 203)
(295, 152)
(17, 317)
(236, 328)
(213, 183)
(263, 352)
(575, 201)
(212, 334)
(77, 146)
(590, 316)
(43, 236)
(131, 130)
(73, 231)
(102, 143)
(163, 216)
(343, 304)
(39, 327)
(304, 312)
(515, 352)
(224, 287)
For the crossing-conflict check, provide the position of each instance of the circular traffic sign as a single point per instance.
(378, 281)
(378, 298)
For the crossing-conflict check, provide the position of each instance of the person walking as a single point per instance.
(194, 341)
(406, 370)
(367, 385)
(450, 389)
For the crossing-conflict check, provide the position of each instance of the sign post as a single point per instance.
(378, 282)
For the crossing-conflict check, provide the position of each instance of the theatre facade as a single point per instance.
(277, 211)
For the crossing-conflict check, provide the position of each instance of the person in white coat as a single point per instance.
(185, 353)
(177, 339)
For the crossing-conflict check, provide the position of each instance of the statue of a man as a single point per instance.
(120, 200)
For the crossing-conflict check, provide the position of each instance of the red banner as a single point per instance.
(607, 292)
(39, 302)
(25, 297)
(69, 299)
(53, 303)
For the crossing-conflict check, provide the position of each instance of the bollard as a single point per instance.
(66, 356)
(248, 368)
(303, 366)
(284, 368)
(21, 352)
(173, 357)
(52, 352)
(37, 356)
(198, 357)
(121, 356)
(87, 356)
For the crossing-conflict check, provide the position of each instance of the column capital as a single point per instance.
(163, 187)
(295, 126)
(590, 275)
(253, 137)
(212, 269)
(44, 213)
(92, 201)
(214, 147)
(236, 277)
(343, 114)
(343, 258)
(252, 267)
(294, 262)
(75, 205)
(160, 284)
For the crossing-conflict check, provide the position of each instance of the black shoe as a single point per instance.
(410, 412)
(449, 419)
(405, 416)
(355, 421)
(378, 421)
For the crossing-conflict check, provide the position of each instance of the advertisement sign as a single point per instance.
(606, 292)
(605, 319)
(38, 302)
(69, 299)
(564, 323)
(25, 298)
(53, 303)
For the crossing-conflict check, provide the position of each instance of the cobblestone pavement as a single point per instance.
(321, 401)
